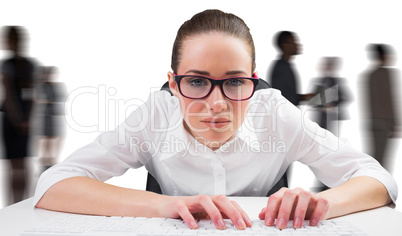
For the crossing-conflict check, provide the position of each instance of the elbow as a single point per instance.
(387, 198)
(43, 202)
(40, 204)
(383, 196)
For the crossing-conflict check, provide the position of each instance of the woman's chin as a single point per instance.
(211, 137)
(216, 138)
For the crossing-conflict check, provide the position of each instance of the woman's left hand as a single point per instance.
(296, 204)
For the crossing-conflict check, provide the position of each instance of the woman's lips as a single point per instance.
(216, 123)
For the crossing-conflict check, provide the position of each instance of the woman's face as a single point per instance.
(214, 119)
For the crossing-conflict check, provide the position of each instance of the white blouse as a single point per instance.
(274, 134)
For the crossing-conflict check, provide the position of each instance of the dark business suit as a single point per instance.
(382, 117)
(283, 78)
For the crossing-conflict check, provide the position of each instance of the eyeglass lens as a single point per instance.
(233, 88)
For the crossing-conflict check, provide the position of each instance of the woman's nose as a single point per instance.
(216, 100)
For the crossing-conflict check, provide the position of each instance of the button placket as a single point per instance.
(219, 175)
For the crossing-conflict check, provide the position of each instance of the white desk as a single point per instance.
(382, 221)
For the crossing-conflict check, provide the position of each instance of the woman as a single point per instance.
(215, 138)
(17, 75)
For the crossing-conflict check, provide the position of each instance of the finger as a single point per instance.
(213, 212)
(243, 213)
(303, 201)
(226, 206)
(274, 202)
(288, 200)
(262, 213)
(185, 214)
(319, 211)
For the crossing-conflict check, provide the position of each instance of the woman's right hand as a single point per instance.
(215, 208)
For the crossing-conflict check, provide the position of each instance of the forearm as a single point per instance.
(84, 195)
(88, 196)
(357, 194)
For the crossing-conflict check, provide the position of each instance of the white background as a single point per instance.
(125, 47)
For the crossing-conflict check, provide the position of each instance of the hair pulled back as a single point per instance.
(212, 21)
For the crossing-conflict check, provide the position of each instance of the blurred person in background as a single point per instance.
(50, 116)
(380, 102)
(332, 95)
(328, 104)
(17, 75)
(282, 76)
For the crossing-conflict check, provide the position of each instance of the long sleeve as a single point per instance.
(331, 159)
(112, 153)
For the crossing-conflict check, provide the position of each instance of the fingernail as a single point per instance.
(297, 223)
(313, 222)
(269, 221)
(194, 225)
(241, 224)
(281, 223)
(221, 224)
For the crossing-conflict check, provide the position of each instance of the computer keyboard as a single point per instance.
(84, 225)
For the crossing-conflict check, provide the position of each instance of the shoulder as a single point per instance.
(7, 67)
(156, 113)
(268, 109)
(266, 93)
(6, 63)
(161, 105)
(163, 99)
(157, 102)
(266, 98)
(393, 73)
(31, 63)
(280, 64)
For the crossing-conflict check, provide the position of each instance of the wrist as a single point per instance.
(156, 205)
(331, 203)
(142, 204)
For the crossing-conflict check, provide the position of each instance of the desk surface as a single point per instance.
(381, 221)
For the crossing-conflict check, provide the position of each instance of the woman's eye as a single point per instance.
(197, 82)
(235, 82)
